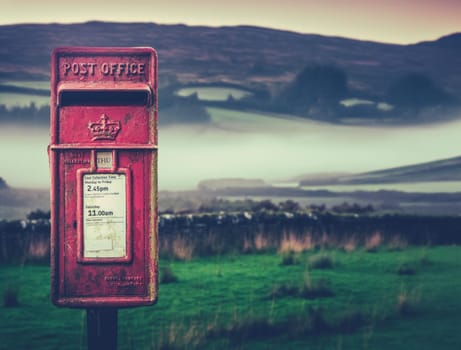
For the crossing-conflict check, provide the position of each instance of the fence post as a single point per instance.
(102, 328)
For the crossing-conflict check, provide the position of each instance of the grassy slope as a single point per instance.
(222, 292)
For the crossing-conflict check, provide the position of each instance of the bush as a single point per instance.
(316, 289)
(309, 290)
(284, 290)
(320, 261)
(289, 258)
(10, 296)
(406, 269)
(416, 90)
(250, 328)
(167, 275)
(352, 320)
(38, 214)
(424, 260)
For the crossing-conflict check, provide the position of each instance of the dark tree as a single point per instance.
(265, 205)
(416, 90)
(177, 109)
(316, 84)
(289, 206)
(3, 183)
(38, 215)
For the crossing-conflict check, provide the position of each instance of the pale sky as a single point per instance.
(393, 21)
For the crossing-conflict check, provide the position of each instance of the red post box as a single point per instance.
(103, 163)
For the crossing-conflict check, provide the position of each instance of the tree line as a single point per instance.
(318, 89)
(32, 113)
(315, 92)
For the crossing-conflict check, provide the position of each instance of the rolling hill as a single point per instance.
(243, 55)
(440, 170)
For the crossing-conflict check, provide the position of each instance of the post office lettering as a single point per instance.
(105, 68)
(80, 68)
(122, 68)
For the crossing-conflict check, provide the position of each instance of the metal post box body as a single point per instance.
(103, 163)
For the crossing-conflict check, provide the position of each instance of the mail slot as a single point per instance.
(103, 165)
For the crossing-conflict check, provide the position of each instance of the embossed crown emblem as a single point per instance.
(104, 129)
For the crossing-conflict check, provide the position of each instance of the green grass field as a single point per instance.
(389, 299)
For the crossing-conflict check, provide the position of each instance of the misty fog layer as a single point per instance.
(245, 145)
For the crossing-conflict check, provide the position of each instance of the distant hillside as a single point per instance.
(440, 170)
(250, 56)
(16, 203)
(230, 183)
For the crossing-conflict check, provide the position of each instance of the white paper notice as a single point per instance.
(104, 215)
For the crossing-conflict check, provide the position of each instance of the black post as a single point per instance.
(101, 326)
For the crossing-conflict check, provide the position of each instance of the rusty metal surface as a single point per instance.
(103, 103)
